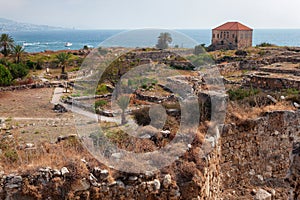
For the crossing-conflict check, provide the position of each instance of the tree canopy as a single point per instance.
(63, 59)
(5, 76)
(164, 40)
(6, 44)
(18, 50)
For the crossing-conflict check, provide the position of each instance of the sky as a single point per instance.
(167, 14)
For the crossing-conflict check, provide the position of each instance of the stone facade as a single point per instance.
(231, 35)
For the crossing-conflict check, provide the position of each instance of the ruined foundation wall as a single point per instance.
(256, 153)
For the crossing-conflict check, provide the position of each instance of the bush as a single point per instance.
(265, 44)
(18, 70)
(101, 89)
(4, 62)
(100, 103)
(5, 76)
(241, 53)
(142, 117)
(33, 65)
(11, 155)
(241, 93)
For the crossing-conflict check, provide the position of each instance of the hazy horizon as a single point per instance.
(167, 14)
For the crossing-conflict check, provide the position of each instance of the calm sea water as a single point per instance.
(56, 40)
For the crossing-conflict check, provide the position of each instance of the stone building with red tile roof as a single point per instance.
(231, 35)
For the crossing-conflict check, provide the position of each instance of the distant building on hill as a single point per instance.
(231, 35)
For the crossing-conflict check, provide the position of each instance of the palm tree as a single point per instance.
(163, 40)
(123, 103)
(6, 43)
(18, 50)
(63, 59)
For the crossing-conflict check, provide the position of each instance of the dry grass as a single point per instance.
(27, 103)
(236, 111)
(44, 154)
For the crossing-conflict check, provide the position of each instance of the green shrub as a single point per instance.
(34, 65)
(11, 155)
(101, 89)
(293, 95)
(5, 76)
(4, 62)
(241, 93)
(292, 91)
(265, 44)
(100, 103)
(18, 70)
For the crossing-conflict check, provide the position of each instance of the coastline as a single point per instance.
(38, 41)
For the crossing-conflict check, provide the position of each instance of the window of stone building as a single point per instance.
(221, 34)
(217, 35)
(227, 34)
(232, 35)
(213, 35)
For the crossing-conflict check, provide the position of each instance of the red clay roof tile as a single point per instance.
(233, 26)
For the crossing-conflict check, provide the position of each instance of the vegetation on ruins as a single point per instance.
(241, 93)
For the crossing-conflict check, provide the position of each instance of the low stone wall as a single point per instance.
(194, 176)
(29, 86)
(281, 71)
(274, 83)
(255, 153)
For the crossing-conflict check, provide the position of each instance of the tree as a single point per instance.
(6, 44)
(164, 40)
(63, 59)
(123, 103)
(18, 51)
(5, 76)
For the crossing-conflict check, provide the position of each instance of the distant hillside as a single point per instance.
(10, 25)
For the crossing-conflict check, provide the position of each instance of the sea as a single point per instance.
(39, 41)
